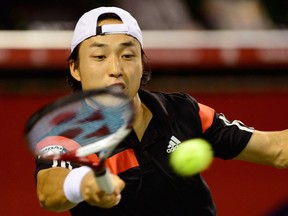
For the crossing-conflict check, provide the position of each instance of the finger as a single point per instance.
(106, 201)
(118, 199)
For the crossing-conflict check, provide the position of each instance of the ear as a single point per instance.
(74, 71)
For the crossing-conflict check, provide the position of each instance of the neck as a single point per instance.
(142, 117)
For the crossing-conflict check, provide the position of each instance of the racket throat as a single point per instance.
(100, 169)
(100, 173)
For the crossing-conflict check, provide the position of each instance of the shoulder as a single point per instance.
(177, 99)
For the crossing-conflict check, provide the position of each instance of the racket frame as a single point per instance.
(79, 155)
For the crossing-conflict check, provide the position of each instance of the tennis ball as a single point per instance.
(191, 157)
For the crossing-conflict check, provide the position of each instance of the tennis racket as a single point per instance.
(75, 127)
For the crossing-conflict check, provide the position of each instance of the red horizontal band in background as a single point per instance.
(176, 49)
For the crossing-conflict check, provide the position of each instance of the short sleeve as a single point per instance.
(228, 137)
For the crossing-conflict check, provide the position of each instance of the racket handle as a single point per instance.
(104, 181)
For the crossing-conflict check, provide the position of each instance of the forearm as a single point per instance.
(268, 148)
(282, 157)
(50, 189)
(51, 184)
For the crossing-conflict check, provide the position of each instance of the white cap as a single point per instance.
(87, 25)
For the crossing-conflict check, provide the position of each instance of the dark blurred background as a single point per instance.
(207, 14)
(229, 54)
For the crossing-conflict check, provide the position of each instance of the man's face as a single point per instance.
(106, 60)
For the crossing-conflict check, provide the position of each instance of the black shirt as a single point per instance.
(151, 186)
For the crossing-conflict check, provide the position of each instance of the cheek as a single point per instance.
(136, 76)
(90, 76)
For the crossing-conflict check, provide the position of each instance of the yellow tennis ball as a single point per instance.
(191, 157)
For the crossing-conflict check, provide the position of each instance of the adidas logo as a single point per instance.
(173, 144)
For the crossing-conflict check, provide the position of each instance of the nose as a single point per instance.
(115, 67)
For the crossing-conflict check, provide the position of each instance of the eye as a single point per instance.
(128, 56)
(99, 57)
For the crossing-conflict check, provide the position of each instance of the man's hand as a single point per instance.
(93, 195)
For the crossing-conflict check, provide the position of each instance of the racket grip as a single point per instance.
(104, 181)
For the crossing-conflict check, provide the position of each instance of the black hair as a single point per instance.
(74, 57)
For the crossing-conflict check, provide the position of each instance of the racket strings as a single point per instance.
(82, 122)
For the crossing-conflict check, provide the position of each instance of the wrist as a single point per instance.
(72, 184)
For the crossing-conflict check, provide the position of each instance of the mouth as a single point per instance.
(118, 86)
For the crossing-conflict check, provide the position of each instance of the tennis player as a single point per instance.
(107, 49)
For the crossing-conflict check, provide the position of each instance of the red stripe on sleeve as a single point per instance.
(206, 115)
(122, 161)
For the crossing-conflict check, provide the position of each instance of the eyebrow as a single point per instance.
(128, 44)
(96, 44)
(124, 44)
